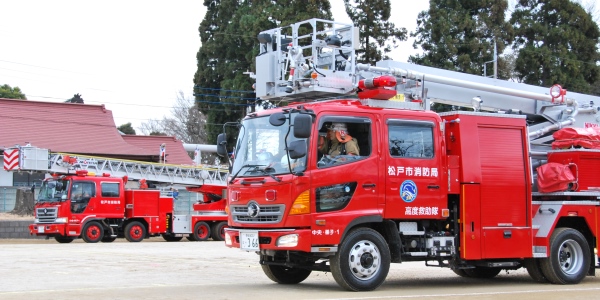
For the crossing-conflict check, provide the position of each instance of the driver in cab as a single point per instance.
(338, 141)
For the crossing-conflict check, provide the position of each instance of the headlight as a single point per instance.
(60, 220)
(290, 240)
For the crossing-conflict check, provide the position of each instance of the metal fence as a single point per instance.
(184, 204)
(8, 197)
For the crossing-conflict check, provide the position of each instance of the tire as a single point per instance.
(482, 272)
(201, 231)
(170, 238)
(535, 270)
(285, 275)
(135, 232)
(460, 272)
(362, 261)
(108, 239)
(92, 232)
(63, 239)
(569, 257)
(218, 231)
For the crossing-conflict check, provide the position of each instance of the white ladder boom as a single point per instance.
(41, 160)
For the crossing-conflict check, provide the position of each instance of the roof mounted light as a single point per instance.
(556, 91)
(377, 82)
(377, 88)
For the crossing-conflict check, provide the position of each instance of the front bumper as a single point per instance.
(268, 239)
(42, 229)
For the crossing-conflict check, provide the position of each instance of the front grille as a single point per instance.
(46, 214)
(266, 214)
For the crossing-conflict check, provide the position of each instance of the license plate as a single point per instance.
(40, 229)
(249, 240)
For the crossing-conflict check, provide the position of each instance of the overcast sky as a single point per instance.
(132, 56)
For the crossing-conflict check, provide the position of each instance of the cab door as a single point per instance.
(414, 173)
(345, 189)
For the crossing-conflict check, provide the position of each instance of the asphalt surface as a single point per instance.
(154, 269)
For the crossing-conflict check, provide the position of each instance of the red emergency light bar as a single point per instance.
(375, 88)
(377, 82)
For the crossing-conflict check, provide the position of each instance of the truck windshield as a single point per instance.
(53, 190)
(261, 149)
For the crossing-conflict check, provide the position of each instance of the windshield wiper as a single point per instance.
(268, 171)
(243, 167)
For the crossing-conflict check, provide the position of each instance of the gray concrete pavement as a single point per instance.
(154, 269)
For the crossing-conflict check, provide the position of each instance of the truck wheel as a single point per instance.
(63, 239)
(108, 239)
(569, 257)
(460, 272)
(362, 261)
(170, 238)
(218, 231)
(482, 272)
(92, 232)
(535, 270)
(201, 231)
(135, 231)
(285, 275)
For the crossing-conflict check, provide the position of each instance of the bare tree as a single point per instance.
(185, 123)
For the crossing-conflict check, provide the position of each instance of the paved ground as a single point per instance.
(154, 269)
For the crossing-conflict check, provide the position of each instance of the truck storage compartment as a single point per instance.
(587, 164)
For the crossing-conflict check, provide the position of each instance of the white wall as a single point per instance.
(6, 178)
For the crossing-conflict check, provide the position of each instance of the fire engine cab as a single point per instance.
(458, 189)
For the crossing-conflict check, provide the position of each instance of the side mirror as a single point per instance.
(277, 119)
(302, 125)
(297, 149)
(222, 145)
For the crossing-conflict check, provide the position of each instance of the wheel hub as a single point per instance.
(570, 257)
(364, 260)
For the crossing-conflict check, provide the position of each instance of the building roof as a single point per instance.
(174, 150)
(67, 127)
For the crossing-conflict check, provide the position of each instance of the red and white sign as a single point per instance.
(11, 159)
(590, 125)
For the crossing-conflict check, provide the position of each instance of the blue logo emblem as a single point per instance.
(408, 191)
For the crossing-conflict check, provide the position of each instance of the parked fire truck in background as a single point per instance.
(76, 202)
(461, 189)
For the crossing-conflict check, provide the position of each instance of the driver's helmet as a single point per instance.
(264, 155)
(341, 132)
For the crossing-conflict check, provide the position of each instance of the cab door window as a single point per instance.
(110, 189)
(81, 193)
(343, 140)
(411, 139)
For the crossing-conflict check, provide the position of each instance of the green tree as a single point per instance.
(459, 35)
(229, 46)
(377, 34)
(126, 128)
(158, 133)
(76, 99)
(557, 42)
(11, 93)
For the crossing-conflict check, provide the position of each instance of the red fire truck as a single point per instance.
(75, 202)
(460, 189)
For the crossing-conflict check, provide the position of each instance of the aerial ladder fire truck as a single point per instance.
(502, 186)
(88, 197)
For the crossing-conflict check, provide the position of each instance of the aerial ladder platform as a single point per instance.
(34, 159)
(316, 60)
